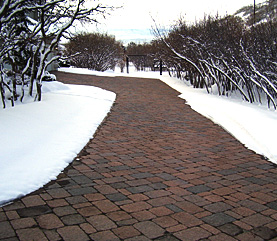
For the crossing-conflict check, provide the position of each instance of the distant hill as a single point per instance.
(264, 12)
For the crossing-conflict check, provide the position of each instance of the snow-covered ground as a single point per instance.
(39, 139)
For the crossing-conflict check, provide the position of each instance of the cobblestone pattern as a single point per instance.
(155, 170)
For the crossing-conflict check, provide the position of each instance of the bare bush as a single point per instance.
(94, 51)
(141, 55)
(225, 53)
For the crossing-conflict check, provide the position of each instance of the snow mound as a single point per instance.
(54, 86)
(39, 139)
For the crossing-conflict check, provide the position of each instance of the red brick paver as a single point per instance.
(155, 169)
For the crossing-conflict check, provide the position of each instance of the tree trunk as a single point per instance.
(2, 90)
(38, 91)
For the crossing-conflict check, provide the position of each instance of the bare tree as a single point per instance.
(54, 18)
(223, 52)
(141, 55)
(94, 51)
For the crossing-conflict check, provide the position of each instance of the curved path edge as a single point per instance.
(155, 170)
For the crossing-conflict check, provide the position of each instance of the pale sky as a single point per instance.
(134, 20)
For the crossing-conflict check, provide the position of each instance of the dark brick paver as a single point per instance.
(155, 170)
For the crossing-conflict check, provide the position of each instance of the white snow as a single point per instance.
(39, 139)
(254, 125)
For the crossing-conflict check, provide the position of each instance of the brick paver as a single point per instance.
(155, 170)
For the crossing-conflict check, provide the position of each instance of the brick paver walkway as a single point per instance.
(155, 170)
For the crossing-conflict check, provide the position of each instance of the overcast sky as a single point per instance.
(133, 21)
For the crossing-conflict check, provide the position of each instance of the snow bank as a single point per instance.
(254, 125)
(39, 139)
